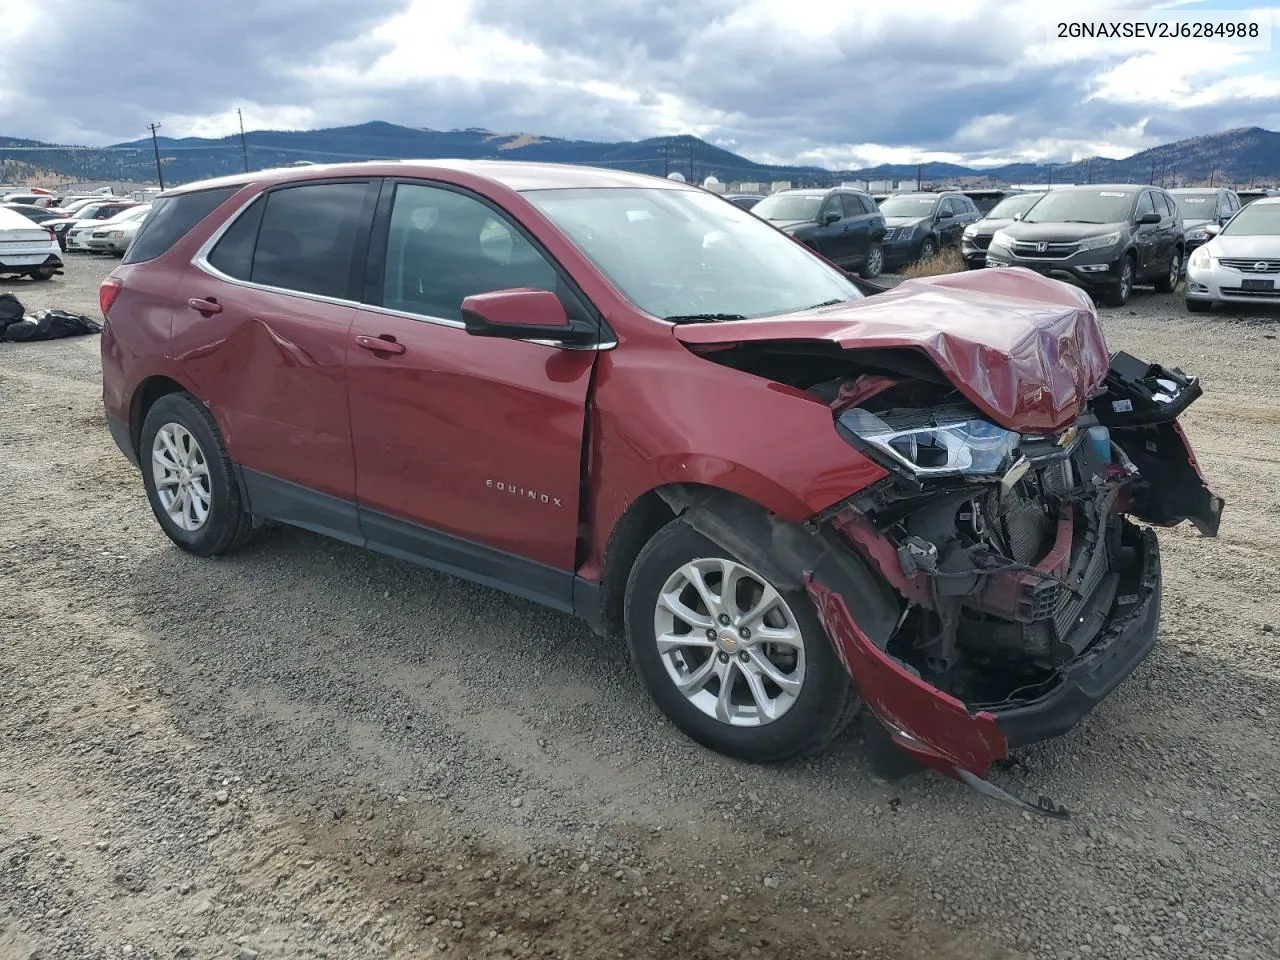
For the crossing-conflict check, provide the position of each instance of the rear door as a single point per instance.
(468, 449)
(261, 328)
(856, 229)
(832, 238)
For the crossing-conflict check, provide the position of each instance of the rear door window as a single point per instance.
(852, 208)
(170, 220)
(308, 236)
(233, 253)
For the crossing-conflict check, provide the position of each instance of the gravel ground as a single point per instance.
(305, 750)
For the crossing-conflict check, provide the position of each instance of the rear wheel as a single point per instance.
(42, 273)
(875, 263)
(1198, 306)
(1169, 282)
(189, 478)
(738, 665)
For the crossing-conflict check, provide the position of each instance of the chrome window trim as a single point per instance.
(201, 262)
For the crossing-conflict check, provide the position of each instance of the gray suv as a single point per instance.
(1102, 237)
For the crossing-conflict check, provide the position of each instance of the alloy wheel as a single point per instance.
(1126, 279)
(1175, 270)
(181, 475)
(875, 261)
(729, 642)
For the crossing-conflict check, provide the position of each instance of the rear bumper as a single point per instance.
(120, 434)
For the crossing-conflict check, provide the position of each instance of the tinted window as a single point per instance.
(233, 253)
(908, 205)
(308, 236)
(1010, 207)
(443, 246)
(868, 205)
(170, 220)
(1145, 205)
(788, 206)
(831, 205)
(850, 204)
(948, 206)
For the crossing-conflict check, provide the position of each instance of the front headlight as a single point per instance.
(115, 234)
(1200, 258)
(1002, 239)
(1198, 235)
(970, 231)
(888, 234)
(1098, 243)
(934, 447)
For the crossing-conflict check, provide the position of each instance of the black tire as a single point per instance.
(1118, 295)
(825, 704)
(42, 273)
(1169, 282)
(928, 250)
(228, 525)
(874, 265)
(1198, 306)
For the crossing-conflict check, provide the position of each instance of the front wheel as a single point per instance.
(875, 263)
(928, 249)
(1118, 295)
(189, 478)
(738, 665)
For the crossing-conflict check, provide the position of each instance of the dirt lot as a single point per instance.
(310, 751)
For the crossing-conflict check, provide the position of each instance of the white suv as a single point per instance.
(26, 248)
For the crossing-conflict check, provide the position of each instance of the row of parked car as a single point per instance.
(1105, 238)
(32, 236)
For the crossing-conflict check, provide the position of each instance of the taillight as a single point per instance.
(108, 292)
(52, 236)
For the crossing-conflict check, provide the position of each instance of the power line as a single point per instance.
(155, 145)
(244, 148)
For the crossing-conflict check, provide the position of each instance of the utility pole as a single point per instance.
(691, 143)
(919, 168)
(666, 156)
(155, 145)
(244, 148)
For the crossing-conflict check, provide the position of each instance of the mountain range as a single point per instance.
(1241, 156)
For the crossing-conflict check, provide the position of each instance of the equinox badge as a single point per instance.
(516, 491)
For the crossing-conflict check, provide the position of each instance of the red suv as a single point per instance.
(626, 399)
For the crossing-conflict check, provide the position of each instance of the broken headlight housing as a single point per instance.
(935, 443)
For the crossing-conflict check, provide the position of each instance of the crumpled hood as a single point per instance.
(1024, 349)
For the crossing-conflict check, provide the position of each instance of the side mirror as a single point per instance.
(945, 215)
(518, 314)
(830, 217)
(1149, 218)
(1213, 229)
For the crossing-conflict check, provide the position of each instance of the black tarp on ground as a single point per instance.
(52, 324)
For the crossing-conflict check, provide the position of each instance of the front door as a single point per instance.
(1148, 238)
(261, 326)
(468, 449)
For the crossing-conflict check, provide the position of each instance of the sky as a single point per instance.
(843, 85)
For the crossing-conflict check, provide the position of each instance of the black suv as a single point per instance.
(843, 225)
(1202, 207)
(977, 236)
(921, 224)
(1102, 237)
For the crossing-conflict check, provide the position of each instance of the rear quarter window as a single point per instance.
(170, 220)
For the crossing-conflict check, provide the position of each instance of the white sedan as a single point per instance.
(1241, 264)
(26, 248)
(115, 235)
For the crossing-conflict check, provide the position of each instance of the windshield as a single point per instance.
(789, 206)
(681, 253)
(133, 213)
(1081, 206)
(1196, 206)
(908, 206)
(1010, 207)
(1255, 220)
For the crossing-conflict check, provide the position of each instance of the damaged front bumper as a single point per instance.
(941, 732)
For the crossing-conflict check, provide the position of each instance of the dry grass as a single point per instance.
(947, 260)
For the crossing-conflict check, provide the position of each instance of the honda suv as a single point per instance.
(626, 399)
(1102, 238)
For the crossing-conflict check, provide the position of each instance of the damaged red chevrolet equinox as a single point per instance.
(627, 399)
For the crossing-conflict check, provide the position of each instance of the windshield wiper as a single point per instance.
(825, 303)
(700, 317)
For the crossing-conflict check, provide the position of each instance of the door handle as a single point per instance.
(205, 307)
(383, 344)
